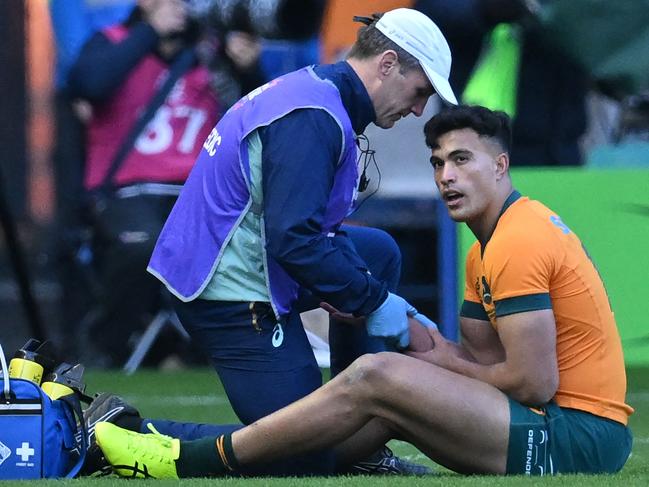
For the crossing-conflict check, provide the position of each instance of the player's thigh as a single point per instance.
(264, 364)
(459, 422)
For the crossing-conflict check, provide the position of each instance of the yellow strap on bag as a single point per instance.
(494, 82)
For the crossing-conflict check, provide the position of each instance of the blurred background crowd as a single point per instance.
(91, 163)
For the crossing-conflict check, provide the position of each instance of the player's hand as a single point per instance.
(439, 354)
(420, 340)
(390, 321)
(339, 315)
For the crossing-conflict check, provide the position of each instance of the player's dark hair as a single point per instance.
(370, 41)
(486, 123)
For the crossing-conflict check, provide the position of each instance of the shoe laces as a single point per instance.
(154, 446)
(386, 452)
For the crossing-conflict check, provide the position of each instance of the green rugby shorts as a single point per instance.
(552, 440)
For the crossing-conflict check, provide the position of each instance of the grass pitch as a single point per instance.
(196, 395)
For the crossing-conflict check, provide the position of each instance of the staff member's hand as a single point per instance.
(390, 321)
(422, 318)
(348, 318)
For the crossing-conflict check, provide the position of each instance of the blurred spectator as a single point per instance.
(550, 89)
(626, 144)
(73, 23)
(290, 29)
(117, 72)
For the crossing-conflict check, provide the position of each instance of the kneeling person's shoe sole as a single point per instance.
(138, 455)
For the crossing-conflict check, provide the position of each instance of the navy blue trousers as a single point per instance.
(265, 364)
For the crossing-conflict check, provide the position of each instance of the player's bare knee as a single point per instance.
(368, 369)
(353, 387)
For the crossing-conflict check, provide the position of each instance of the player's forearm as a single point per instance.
(483, 355)
(461, 352)
(514, 381)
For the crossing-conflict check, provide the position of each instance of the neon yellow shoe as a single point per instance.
(138, 455)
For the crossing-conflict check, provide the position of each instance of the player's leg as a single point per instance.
(185, 430)
(461, 423)
(458, 422)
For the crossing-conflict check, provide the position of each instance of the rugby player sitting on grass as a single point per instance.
(537, 385)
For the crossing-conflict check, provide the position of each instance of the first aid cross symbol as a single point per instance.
(25, 451)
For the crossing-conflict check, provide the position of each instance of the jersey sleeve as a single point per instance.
(472, 305)
(519, 269)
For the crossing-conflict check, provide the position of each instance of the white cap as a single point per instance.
(418, 35)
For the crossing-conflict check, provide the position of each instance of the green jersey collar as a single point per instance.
(511, 199)
(514, 196)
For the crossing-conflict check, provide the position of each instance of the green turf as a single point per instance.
(196, 395)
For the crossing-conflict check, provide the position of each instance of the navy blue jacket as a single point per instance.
(296, 198)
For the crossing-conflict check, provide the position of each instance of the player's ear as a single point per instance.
(502, 164)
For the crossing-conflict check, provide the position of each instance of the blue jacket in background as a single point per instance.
(75, 21)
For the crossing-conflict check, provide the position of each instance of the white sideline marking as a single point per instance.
(203, 400)
(642, 441)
